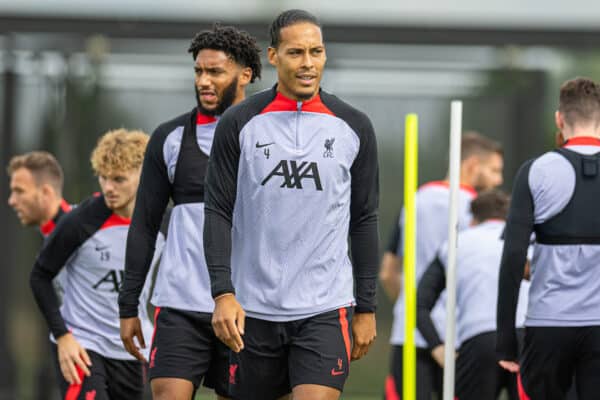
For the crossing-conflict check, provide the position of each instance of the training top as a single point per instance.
(90, 243)
(174, 168)
(432, 200)
(46, 229)
(477, 269)
(287, 183)
(555, 196)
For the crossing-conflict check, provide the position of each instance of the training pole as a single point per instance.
(411, 155)
(454, 168)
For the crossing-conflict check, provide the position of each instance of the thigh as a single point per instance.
(181, 345)
(260, 370)
(93, 387)
(125, 379)
(429, 375)
(477, 372)
(217, 376)
(587, 370)
(548, 362)
(320, 349)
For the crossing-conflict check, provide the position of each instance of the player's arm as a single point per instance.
(58, 248)
(431, 286)
(152, 198)
(519, 227)
(364, 238)
(391, 265)
(219, 200)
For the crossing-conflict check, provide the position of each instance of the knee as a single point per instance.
(171, 389)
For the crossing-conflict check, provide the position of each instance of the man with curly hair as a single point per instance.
(184, 350)
(89, 243)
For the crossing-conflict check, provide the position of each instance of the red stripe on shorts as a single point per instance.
(521, 390)
(75, 388)
(345, 331)
(391, 393)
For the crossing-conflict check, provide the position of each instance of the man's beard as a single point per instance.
(225, 102)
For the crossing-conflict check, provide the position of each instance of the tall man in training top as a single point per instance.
(90, 243)
(480, 168)
(293, 172)
(556, 196)
(184, 349)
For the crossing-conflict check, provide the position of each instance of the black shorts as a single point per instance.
(429, 375)
(278, 356)
(110, 379)
(184, 346)
(552, 356)
(478, 374)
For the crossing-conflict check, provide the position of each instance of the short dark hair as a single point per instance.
(474, 143)
(42, 165)
(237, 44)
(490, 204)
(579, 101)
(287, 18)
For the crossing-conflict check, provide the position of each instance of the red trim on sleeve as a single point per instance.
(282, 103)
(115, 220)
(74, 388)
(582, 141)
(464, 187)
(345, 331)
(202, 119)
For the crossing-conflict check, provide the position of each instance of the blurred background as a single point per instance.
(70, 70)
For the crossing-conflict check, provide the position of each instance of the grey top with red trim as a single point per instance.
(90, 243)
(287, 183)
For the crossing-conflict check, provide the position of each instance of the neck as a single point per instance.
(281, 89)
(590, 130)
(126, 211)
(51, 211)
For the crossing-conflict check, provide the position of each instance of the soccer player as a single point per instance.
(293, 172)
(556, 196)
(184, 351)
(480, 168)
(90, 243)
(478, 375)
(36, 184)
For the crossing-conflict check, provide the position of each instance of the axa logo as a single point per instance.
(294, 173)
(111, 282)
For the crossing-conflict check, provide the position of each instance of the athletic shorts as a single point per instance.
(110, 379)
(552, 356)
(278, 356)
(184, 346)
(429, 375)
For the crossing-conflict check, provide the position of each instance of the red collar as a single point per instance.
(283, 103)
(582, 141)
(49, 226)
(202, 119)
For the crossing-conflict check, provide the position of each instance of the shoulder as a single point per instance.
(239, 114)
(90, 212)
(163, 130)
(358, 120)
(547, 170)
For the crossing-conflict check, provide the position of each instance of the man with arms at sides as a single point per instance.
(36, 184)
(556, 196)
(480, 168)
(478, 375)
(90, 243)
(282, 159)
(184, 349)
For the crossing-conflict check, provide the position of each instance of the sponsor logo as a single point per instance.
(260, 146)
(111, 282)
(293, 173)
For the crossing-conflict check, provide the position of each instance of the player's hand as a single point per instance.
(437, 353)
(72, 356)
(132, 328)
(511, 366)
(364, 332)
(228, 321)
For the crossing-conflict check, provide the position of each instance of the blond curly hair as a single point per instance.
(118, 151)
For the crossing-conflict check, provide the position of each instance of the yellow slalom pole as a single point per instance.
(411, 156)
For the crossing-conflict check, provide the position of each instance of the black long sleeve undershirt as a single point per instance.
(431, 286)
(519, 227)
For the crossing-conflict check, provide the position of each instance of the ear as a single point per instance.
(47, 191)
(245, 76)
(559, 120)
(272, 56)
